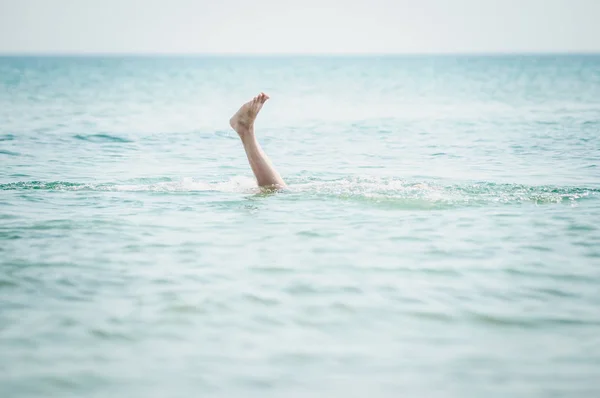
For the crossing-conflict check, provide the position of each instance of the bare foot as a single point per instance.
(243, 120)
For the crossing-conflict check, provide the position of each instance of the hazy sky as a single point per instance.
(311, 26)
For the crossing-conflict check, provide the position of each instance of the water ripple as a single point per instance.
(101, 138)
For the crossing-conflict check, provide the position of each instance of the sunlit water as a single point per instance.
(439, 236)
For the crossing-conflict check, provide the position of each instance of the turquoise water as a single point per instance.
(439, 236)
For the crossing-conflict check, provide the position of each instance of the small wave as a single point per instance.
(101, 138)
(237, 184)
(9, 153)
(7, 137)
(431, 195)
(387, 192)
(27, 185)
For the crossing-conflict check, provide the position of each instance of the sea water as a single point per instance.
(439, 237)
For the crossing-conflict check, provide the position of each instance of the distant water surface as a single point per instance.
(439, 238)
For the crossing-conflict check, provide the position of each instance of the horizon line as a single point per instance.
(284, 54)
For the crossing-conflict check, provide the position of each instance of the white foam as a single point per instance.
(236, 184)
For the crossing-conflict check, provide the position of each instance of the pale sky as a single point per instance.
(297, 26)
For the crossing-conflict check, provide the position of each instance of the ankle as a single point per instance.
(246, 132)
